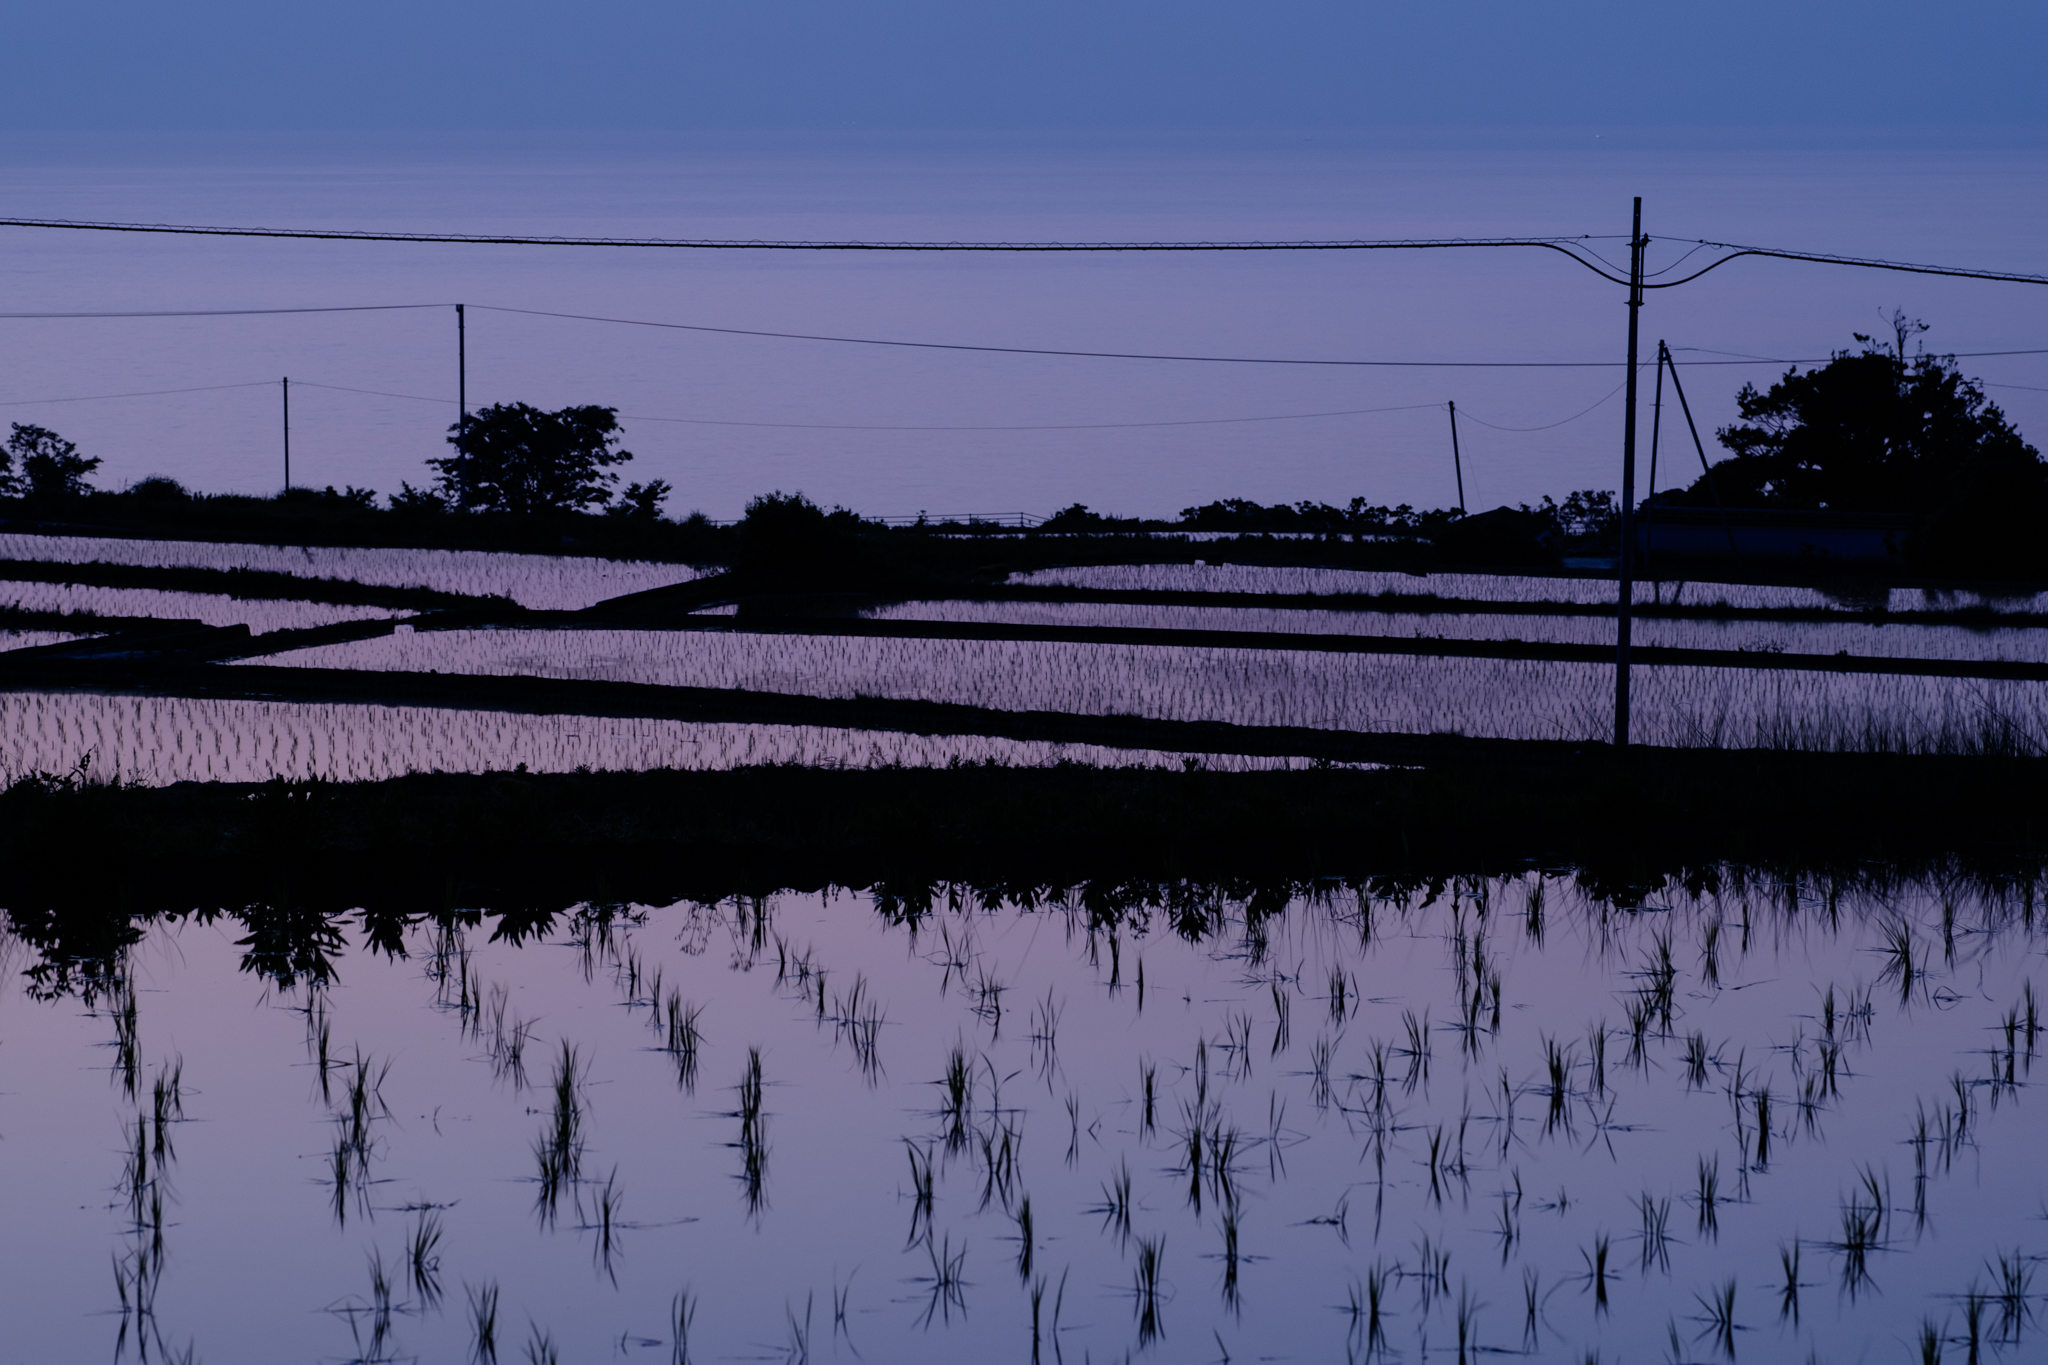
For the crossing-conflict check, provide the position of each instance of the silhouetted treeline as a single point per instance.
(81, 863)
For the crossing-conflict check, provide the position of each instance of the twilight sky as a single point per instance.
(1875, 65)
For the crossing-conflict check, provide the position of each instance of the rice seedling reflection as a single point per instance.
(1419, 1156)
(753, 1136)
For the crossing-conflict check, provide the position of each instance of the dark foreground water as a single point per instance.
(1771, 1121)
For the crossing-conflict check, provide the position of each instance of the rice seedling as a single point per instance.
(1045, 1034)
(1282, 1014)
(1237, 1043)
(683, 1038)
(1432, 1272)
(1596, 1059)
(956, 1089)
(1862, 1233)
(1710, 953)
(1467, 1319)
(1718, 1308)
(1761, 1099)
(988, 999)
(841, 1293)
(1640, 1010)
(1151, 1252)
(1597, 1273)
(1696, 1059)
(1339, 995)
(920, 1192)
(682, 1315)
(167, 1107)
(1026, 1238)
(605, 1223)
(1707, 1200)
(121, 1006)
(753, 1140)
(1933, 1337)
(948, 1292)
(1788, 1285)
(1148, 1090)
(1532, 1306)
(1230, 1226)
(423, 1259)
(798, 1349)
(540, 1346)
(1975, 1304)
(1115, 1207)
(1656, 1230)
(1417, 1051)
(1320, 1055)
(2012, 1279)
(1000, 1145)
(1899, 952)
(380, 1295)
(1558, 1063)
(483, 1321)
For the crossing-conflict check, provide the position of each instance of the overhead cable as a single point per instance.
(1573, 247)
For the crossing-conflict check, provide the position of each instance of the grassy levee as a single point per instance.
(518, 841)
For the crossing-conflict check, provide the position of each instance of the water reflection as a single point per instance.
(1762, 1116)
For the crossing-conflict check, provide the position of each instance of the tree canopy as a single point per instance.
(1874, 430)
(511, 457)
(39, 464)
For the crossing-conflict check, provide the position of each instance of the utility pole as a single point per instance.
(287, 389)
(1457, 464)
(461, 396)
(1625, 575)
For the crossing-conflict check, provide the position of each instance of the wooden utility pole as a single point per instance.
(461, 398)
(1457, 464)
(1625, 575)
(287, 389)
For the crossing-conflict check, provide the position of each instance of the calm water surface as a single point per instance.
(1773, 1121)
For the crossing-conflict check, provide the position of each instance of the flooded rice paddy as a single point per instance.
(159, 740)
(542, 582)
(1498, 698)
(1506, 587)
(211, 609)
(1777, 1120)
(1895, 640)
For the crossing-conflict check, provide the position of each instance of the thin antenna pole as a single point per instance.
(1656, 429)
(1726, 526)
(1625, 587)
(462, 397)
(1457, 464)
(287, 390)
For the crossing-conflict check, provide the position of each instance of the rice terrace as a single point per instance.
(1491, 810)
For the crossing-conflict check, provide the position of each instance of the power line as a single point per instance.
(141, 393)
(1087, 355)
(846, 426)
(1560, 422)
(1737, 252)
(1576, 248)
(1738, 358)
(236, 312)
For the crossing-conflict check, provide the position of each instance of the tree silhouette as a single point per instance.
(51, 469)
(511, 457)
(1870, 431)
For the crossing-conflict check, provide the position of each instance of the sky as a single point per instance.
(1873, 65)
(1906, 131)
